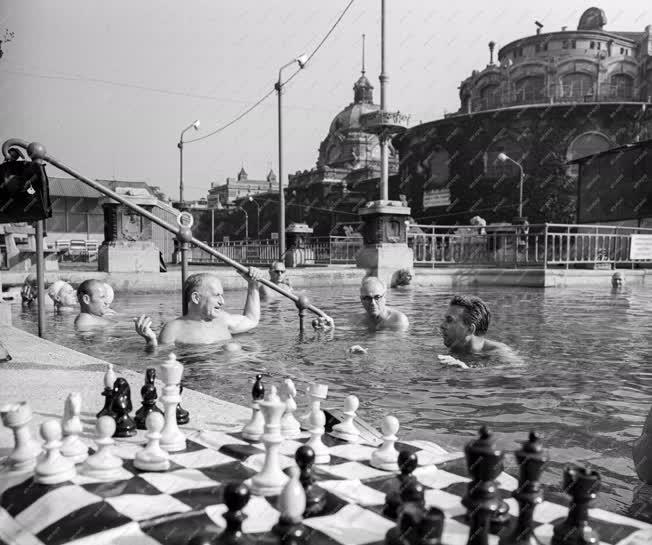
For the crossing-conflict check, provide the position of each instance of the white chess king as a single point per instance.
(172, 438)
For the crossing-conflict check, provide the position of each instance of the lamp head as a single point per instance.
(196, 125)
(502, 157)
(302, 60)
(251, 199)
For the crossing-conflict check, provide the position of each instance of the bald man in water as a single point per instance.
(377, 314)
(204, 321)
(91, 295)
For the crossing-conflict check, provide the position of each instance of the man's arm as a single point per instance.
(144, 329)
(401, 322)
(642, 452)
(251, 313)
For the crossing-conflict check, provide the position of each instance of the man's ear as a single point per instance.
(472, 329)
(194, 297)
(86, 298)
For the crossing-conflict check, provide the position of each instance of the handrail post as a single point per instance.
(185, 246)
(40, 278)
(545, 246)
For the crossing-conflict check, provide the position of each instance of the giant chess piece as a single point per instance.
(149, 395)
(290, 427)
(73, 447)
(109, 380)
(183, 416)
(172, 438)
(255, 428)
(292, 504)
(121, 407)
(317, 394)
(17, 417)
(531, 458)
(322, 452)
(271, 479)
(152, 457)
(386, 456)
(315, 497)
(236, 496)
(486, 511)
(104, 464)
(407, 463)
(582, 485)
(346, 430)
(53, 468)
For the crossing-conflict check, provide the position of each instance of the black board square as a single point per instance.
(111, 489)
(240, 452)
(91, 519)
(230, 471)
(332, 504)
(19, 497)
(313, 537)
(608, 532)
(173, 530)
(200, 498)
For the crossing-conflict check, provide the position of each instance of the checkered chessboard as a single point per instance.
(148, 508)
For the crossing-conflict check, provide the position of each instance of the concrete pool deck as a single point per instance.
(346, 275)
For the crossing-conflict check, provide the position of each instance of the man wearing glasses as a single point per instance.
(277, 275)
(378, 314)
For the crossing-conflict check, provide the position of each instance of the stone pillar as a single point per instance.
(385, 250)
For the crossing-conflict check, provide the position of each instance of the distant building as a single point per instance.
(550, 98)
(234, 188)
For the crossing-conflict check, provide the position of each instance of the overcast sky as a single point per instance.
(108, 86)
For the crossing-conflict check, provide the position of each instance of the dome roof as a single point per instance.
(349, 118)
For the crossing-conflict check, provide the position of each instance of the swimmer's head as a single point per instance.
(465, 317)
(63, 294)
(277, 272)
(92, 297)
(618, 279)
(204, 296)
(372, 296)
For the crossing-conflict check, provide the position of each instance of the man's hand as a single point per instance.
(450, 361)
(144, 329)
(323, 323)
(27, 293)
(252, 276)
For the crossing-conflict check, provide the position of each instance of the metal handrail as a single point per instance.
(37, 152)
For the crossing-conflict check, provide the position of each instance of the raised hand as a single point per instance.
(450, 361)
(144, 328)
(323, 323)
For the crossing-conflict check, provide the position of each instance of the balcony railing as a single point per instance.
(557, 94)
(513, 246)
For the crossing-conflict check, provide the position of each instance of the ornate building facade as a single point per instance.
(550, 98)
(240, 187)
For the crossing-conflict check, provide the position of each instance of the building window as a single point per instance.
(592, 45)
(564, 44)
(537, 48)
(622, 86)
(585, 144)
(622, 50)
(573, 44)
(545, 46)
(599, 45)
(576, 85)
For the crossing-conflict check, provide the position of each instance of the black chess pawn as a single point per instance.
(531, 458)
(108, 401)
(183, 416)
(120, 409)
(315, 497)
(236, 497)
(485, 510)
(149, 396)
(258, 389)
(417, 526)
(582, 485)
(407, 463)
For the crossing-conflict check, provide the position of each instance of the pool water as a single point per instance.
(584, 384)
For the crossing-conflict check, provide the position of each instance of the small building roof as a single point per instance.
(643, 144)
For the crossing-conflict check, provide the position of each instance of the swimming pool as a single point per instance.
(585, 383)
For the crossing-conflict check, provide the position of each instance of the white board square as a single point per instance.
(142, 507)
(354, 492)
(352, 451)
(353, 470)
(171, 482)
(200, 458)
(352, 525)
(261, 516)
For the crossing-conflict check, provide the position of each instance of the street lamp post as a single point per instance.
(503, 157)
(246, 224)
(251, 199)
(194, 125)
(301, 60)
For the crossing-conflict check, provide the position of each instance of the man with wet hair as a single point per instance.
(463, 331)
(91, 295)
(63, 296)
(377, 314)
(279, 276)
(204, 321)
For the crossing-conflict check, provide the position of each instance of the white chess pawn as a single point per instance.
(292, 500)
(104, 464)
(386, 456)
(346, 429)
(52, 467)
(172, 438)
(322, 452)
(317, 394)
(152, 457)
(73, 447)
(290, 427)
(17, 416)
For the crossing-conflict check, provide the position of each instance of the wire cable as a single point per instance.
(239, 117)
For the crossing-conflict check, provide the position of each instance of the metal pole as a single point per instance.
(384, 159)
(180, 144)
(520, 195)
(281, 194)
(40, 278)
(212, 227)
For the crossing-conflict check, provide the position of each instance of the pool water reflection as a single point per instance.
(584, 385)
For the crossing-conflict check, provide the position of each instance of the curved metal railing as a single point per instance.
(37, 152)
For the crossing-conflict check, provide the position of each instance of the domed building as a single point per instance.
(550, 98)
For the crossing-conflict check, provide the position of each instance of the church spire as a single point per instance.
(362, 89)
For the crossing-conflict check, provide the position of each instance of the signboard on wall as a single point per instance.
(641, 247)
(436, 197)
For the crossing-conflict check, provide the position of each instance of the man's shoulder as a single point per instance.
(495, 346)
(398, 318)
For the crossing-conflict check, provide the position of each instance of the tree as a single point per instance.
(7, 38)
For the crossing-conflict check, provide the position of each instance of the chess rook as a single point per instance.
(290, 427)
(152, 457)
(531, 458)
(582, 485)
(255, 428)
(386, 456)
(346, 429)
(172, 438)
(149, 395)
(17, 417)
(271, 479)
(103, 465)
(322, 452)
(317, 394)
(53, 468)
(109, 380)
(73, 447)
